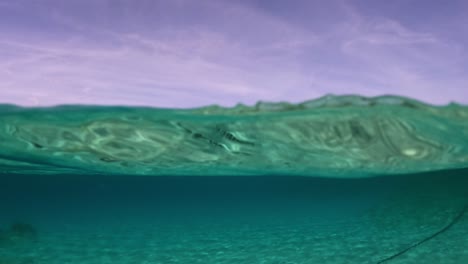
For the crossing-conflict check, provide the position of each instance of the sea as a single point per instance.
(338, 179)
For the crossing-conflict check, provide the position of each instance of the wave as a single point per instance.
(333, 136)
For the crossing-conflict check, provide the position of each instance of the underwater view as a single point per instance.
(338, 179)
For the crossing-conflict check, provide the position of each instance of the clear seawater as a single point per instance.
(335, 180)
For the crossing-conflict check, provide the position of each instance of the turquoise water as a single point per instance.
(334, 180)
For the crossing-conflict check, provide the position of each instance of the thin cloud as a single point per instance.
(237, 54)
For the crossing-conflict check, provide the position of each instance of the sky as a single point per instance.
(190, 53)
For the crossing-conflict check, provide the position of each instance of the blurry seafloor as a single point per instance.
(334, 180)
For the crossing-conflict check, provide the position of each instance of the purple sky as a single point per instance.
(178, 53)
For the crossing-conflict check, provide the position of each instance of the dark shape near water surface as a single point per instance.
(333, 136)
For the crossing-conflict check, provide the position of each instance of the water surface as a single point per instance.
(334, 180)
